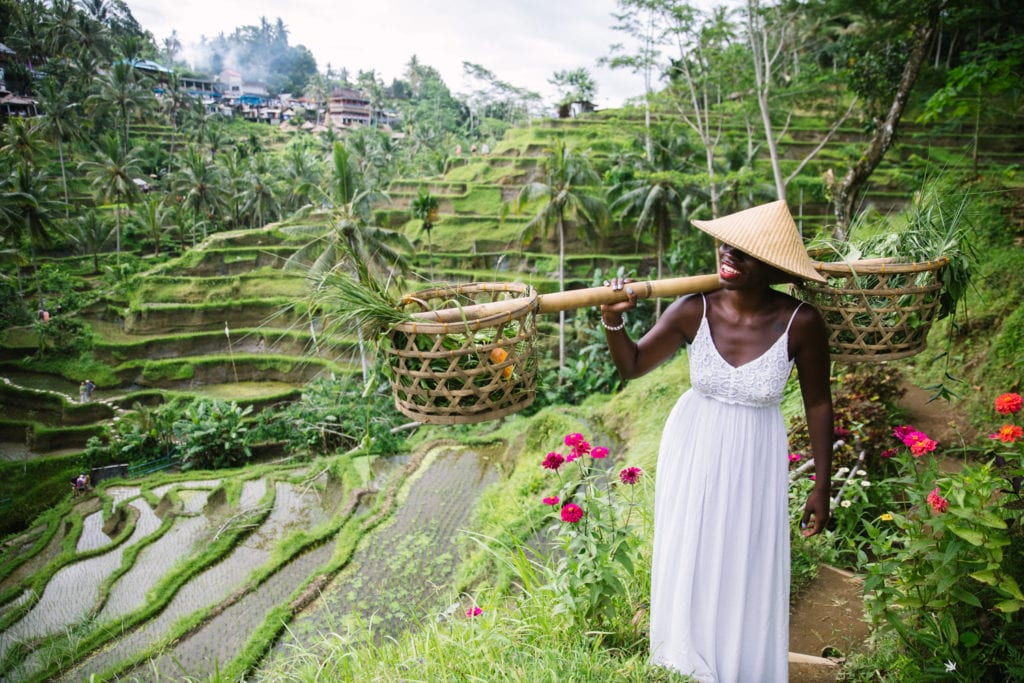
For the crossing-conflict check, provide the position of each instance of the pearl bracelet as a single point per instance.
(613, 328)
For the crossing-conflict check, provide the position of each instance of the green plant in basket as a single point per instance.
(936, 225)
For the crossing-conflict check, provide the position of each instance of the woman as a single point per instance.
(720, 575)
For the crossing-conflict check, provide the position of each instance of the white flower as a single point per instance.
(865, 483)
(950, 666)
(846, 504)
(861, 473)
(841, 471)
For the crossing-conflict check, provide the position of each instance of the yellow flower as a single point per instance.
(887, 517)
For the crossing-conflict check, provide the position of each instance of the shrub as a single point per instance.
(212, 435)
(948, 571)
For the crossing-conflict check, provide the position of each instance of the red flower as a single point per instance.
(553, 461)
(630, 475)
(938, 503)
(474, 612)
(599, 452)
(572, 513)
(551, 500)
(922, 446)
(1008, 434)
(1008, 404)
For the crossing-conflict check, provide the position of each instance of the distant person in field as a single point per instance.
(721, 565)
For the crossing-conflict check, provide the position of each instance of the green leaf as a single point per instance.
(1009, 584)
(970, 535)
(990, 519)
(966, 597)
(1009, 606)
(985, 576)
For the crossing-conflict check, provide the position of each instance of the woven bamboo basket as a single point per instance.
(876, 309)
(469, 355)
(468, 368)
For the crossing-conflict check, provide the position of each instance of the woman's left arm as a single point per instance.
(812, 362)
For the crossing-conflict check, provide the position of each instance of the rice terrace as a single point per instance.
(303, 375)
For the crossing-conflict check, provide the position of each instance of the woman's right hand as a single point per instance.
(618, 308)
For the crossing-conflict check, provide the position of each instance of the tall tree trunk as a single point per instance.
(561, 288)
(845, 194)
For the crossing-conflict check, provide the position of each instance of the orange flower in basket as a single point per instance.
(497, 355)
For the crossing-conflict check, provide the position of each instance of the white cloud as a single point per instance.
(523, 42)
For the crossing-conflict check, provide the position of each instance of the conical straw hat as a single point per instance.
(768, 233)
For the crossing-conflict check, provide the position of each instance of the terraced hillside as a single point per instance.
(94, 591)
(471, 230)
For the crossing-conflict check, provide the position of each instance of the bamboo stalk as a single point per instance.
(575, 298)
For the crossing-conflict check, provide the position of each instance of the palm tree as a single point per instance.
(60, 119)
(257, 196)
(302, 170)
(28, 201)
(89, 234)
(151, 217)
(113, 175)
(424, 207)
(200, 184)
(349, 243)
(122, 91)
(563, 195)
(23, 142)
(656, 202)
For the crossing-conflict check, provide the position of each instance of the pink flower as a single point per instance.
(572, 439)
(551, 500)
(889, 452)
(1008, 404)
(841, 432)
(938, 503)
(902, 431)
(794, 457)
(1008, 434)
(572, 513)
(630, 475)
(599, 452)
(553, 461)
(474, 612)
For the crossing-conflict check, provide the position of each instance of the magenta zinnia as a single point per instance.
(794, 457)
(551, 500)
(938, 503)
(630, 475)
(572, 439)
(553, 461)
(1008, 404)
(572, 513)
(599, 452)
(474, 612)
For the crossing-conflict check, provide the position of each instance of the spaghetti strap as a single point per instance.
(705, 300)
(793, 317)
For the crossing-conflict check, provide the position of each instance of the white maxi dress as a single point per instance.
(720, 576)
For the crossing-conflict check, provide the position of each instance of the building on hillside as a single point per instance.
(230, 83)
(347, 107)
(15, 105)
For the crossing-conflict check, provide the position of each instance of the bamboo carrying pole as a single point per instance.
(575, 298)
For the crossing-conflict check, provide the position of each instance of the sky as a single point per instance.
(523, 42)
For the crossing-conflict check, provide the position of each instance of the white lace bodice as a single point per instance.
(758, 383)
